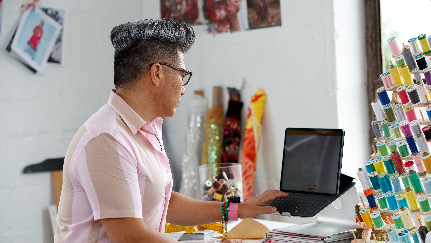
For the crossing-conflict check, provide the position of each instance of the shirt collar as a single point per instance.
(133, 121)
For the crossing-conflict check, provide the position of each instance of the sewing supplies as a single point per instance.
(414, 46)
(415, 181)
(405, 127)
(378, 110)
(410, 113)
(377, 219)
(402, 93)
(387, 80)
(394, 47)
(395, 128)
(363, 178)
(392, 201)
(408, 57)
(381, 200)
(366, 217)
(374, 178)
(398, 162)
(379, 165)
(395, 180)
(383, 96)
(419, 164)
(412, 144)
(372, 203)
(424, 44)
(399, 111)
(426, 160)
(383, 150)
(424, 203)
(386, 130)
(404, 150)
(411, 199)
(398, 221)
(407, 218)
(402, 201)
(390, 114)
(405, 74)
(389, 164)
(427, 75)
(422, 64)
(376, 129)
(395, 75)
(426, 182)
(413, 95)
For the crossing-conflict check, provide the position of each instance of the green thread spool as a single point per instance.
(381, 200)
(428, 221)
(398, 221)
(396, 130)
(399, 60)
(405, 181)
(415, 181)
(389, 112)
(404, 150)
(385, 128)
(389, 165)
(383, 149)
(377, 219)
(392, 145)
(424, 203)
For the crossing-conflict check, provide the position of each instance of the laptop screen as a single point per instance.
(312, 160)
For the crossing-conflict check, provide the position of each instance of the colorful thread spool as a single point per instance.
(376, 129)
(422, 63)
(408, 57)
(379, 165)
(426, 159)
(405, 127)
(372, 203)
(424, 203)
(417, 74)
(369, 166)
(405, 74)
(378, 110)
(393, 234)
(396, 130)
(407, 218)
(423, 232)
(402, 201)
(366, 217)
(385, 183)
(395, 75)
(392, 146)
(363, 178)
(415, 128)
(415, 236)
(395, 180)
(414, 46)
(404, 150)
(383, 96)
(427, 74)
(424, 43)
(402, 93)
(412, 144)
(419, 164)
(427, 220)
(398, 221)
(389, 164)
(404, 237)
(422, 143)
(411, 198)
(428, 111)
(392, 201)
(427, 132)
(374, 178)
(405, 180)
(413, 95)
(381, 200)
(387, 81)
(399, 112)
(423, 93)
(393, 45)
(415, 181)
(399, 60)
(386, 130)
(426, 182)
(410, 113)
(398, 162)
(377, 220)
(383, 150)
(390, 114)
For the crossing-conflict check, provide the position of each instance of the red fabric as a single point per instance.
(35, 38)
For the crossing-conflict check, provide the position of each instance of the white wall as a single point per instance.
(295, 64)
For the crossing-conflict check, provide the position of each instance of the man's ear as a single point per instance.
(156, 74)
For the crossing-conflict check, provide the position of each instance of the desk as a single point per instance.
(269, 224)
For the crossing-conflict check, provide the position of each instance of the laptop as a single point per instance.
(311, 171)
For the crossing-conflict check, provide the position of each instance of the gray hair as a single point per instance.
(142, 43)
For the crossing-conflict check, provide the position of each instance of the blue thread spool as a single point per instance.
(415, 236)
(389, 164)
(383, 96)
(412, 144)
(376, 129)
(428, 110)
(427, 185)
(392, 201)
(374, 178)
(404, 236)
(385, 183)
(393, 235)
(369, 166)
(402, 201)
(395, 180)
(371, 199)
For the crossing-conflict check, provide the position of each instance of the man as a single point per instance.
(116, 178)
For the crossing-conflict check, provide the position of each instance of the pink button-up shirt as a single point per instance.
(115, 167)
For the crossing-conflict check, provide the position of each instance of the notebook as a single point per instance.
(311, 170)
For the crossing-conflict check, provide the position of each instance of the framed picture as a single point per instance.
(59, 15)
(35, 38)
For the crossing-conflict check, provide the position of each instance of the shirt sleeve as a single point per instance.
(108, 173)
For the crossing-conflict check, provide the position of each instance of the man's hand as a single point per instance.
(254, 207)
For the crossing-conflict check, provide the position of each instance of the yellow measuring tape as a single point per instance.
(219, 227)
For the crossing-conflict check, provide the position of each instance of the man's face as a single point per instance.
(173, 87)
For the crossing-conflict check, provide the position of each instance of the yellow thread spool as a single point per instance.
(407, 218)
(380, 167)
(426, 160)
(405, 74)
(218, 196)
(395, 75)
(411, 199)
(424, 43)
(366, 217)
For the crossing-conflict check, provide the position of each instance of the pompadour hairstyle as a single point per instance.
(142, 43)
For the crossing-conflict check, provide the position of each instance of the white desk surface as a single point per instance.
(208, 239)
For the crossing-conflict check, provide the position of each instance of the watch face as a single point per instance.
(234, 199)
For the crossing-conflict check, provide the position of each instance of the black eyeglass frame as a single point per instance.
(182, 70)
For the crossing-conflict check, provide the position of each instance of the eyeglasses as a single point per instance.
(186, 76)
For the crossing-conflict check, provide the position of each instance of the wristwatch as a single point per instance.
(233, 211)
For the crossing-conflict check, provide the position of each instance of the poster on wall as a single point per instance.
(34, 39)
(263, 13)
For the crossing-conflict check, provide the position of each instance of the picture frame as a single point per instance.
(35, 38)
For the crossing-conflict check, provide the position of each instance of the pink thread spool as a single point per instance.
(410, 113)
(387, 80)
(402, 93)
(418, 162)
(405, 127)
(395, 48)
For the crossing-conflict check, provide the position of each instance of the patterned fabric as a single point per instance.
(115, 167)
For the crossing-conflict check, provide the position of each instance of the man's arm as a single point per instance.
(132, 230)
(184, 210)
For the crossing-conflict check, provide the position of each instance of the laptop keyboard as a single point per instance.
(301, 204)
